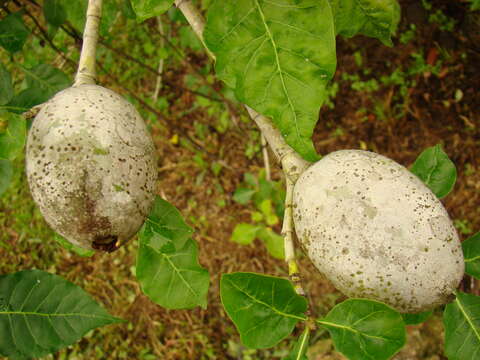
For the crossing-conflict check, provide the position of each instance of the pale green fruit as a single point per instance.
(91, 167)
(376, 231)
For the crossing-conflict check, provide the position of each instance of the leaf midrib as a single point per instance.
(472, 259)
(279, 68)
(467, 318)
(176, 270)
(38, 78)
(351, 329)
(265, 304)
(29, 313)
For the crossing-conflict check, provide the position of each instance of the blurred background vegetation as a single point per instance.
(395, 101)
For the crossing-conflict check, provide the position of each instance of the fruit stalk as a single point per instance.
(86, 67)
(292, 163)
(287, 233)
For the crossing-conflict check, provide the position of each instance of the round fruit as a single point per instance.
(91, 166)
(376, 231)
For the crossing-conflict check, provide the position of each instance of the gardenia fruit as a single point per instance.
(376, 231)
(91, 166)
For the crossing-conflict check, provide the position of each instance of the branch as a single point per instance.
(293, 165)
(195, 19)
(86, 68)
(158, 83)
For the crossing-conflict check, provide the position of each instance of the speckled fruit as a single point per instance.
(91, 166)
(376, 231)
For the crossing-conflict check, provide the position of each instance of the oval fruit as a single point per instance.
(376, 231)
(91, 167)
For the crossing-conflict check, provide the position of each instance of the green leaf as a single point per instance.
(415, 319)
(267, 210)
(146, 9)
(243, 195)
(462, 327)
(374, 18)
(77, 10)
(273, 242)
(278, 57)
(12, 140)
(74, 248)
(54, 12)
(46, 79)
(365, 329)
(25, 100)
(250, 180)
(475, 5)
(41, 313)
(172, 279)
(299, 351)
(127, 9)
(471, 254)
(43, 81)
(165, 225)
(265, 309)
(6, 173)
(6, 88)
(436, 170)
(167, 261)
(13, 33)
(244, 234)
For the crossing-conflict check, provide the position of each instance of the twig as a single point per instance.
(292, 163)
(158, 84)
(195, 19)
(30, 114)
(86, 66)
(266, 158)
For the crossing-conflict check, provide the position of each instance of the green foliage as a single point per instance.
(41, 313)
(471, 253)
(278, 59)
(365, 329)
(145, 9)
(301, 346)
(377, 19)
(6, 173)
(54, 12)
(436, 170)
(13, 33)
(268, 197)
(46, 79)
(444, 22)
(414, 319)
(264, 309)
(76, 14)
(167, 261)
(42, 82)
(462, 327)
(475, 5)
(12, 140)
(6, 87)
(273, 242)
(244, 234)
